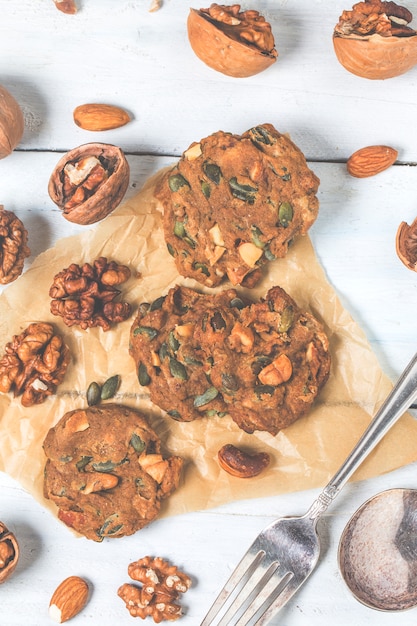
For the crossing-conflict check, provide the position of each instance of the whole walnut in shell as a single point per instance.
(89, 182)
(11, 123)
(235, 43)
(374, 40)
(13, 246)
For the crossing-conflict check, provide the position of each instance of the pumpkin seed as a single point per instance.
(260, 362)
(93, 393)
(285, 214)
(110, 387)
(192, 361)
(287, 318)
(204, 398)
(143, 308)
(151, 333)
(163, 351)
(106, 466)
(246, 193)
(176, 181)
(237, 303)
(179, 231)
(106, 528)
(157, 303)
(173, 342)
(261, 390)
(177, 369)
(171, 250)
(230, 382)
(137, 443)
(206, 189)
(143, 376)
(83, 462)
(256, 235)
(268, 254)
(202, 267)
(174, 414)
(213, 172)
(259, 134)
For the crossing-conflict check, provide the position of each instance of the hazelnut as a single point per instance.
(242, 464)
(374, 41)
(9, 552)
(235, 43)
(11, 123)
(89, 182)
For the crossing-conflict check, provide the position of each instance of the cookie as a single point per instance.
(234, 202)
(263, 363)
(105, 471)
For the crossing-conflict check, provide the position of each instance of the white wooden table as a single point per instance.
(116, 51)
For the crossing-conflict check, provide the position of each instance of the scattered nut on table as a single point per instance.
(161, 585)
(85, 295)
(99, 117)
(240, 463)
(9, 552)
(89, 182)
(374, 40)
(12, 123)
(232, 42)
(406, 244)
(68, 599)
(13, 246)
(34, 364)
(66, 6)
(371, 160)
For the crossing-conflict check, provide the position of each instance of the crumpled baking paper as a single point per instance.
(305, 455)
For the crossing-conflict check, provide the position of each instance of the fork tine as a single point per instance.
(278, 601)
(266, 595)
(249, 590)
(239, 576)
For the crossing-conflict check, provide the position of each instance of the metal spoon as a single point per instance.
(378, 551)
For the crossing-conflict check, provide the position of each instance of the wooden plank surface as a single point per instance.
(118, 52)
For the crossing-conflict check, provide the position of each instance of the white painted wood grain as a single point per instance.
(118, 52)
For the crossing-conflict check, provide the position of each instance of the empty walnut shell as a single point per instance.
(9, 552)
(406, 244)
(89, 182)
(11, 123)
(376, 57)
(233, 43)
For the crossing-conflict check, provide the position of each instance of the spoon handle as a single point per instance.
(403, 394)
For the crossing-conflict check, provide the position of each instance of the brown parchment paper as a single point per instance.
(304, 456)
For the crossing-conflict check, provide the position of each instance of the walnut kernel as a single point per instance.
(34, 364)
(86, 295)
(9, 552)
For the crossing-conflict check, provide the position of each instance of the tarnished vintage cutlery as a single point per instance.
(285, 553)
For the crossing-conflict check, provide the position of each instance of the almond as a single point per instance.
(68, 599)
(98, 117)
(370, 161)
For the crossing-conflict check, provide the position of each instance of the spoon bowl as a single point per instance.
(378, 551)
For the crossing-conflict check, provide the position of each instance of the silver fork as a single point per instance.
(286, 552)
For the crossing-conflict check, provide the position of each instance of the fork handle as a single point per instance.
(403, 394)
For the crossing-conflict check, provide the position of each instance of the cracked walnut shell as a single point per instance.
(9, 552)
(235, 43)
(374, 40)
(13, 246)
(89, 182)
(34, 364)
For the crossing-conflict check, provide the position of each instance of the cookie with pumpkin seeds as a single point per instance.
(234, 202)
(200, 355)
(105, 471)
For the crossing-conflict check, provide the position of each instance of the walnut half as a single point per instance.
(406, 244)
(85, 295)
(34, 364)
